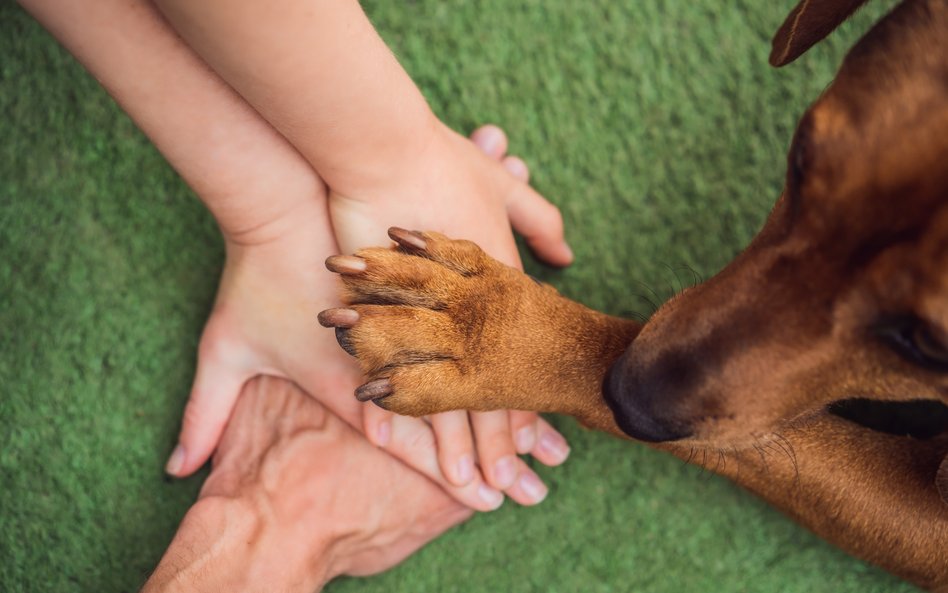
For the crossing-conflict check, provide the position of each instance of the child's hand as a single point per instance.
(466, 189)
(264, 322)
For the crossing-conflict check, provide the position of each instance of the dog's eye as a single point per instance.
(928, 345)
(796, 170)
(917, 341)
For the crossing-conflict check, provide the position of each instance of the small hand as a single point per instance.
(264, 322)
(468, 189)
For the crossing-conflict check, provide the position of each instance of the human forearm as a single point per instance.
(219, 546)
(320, 74)
(248, 175)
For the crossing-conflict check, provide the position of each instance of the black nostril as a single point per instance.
(612, 386)
(623, 398)
(646, 428)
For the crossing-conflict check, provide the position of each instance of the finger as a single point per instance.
(495, 449)
(452, 432)
(491, 140)
(377, 424)
(529, 489)
(215, 391)
(540, 223)
(551, 447)
(413, 442)
(516, 167)
(523, 430)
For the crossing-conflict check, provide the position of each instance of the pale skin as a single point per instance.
(274, 211)
(321, 75)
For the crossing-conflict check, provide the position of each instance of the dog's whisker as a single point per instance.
(706, 471)
(674, 291)
(737, 462)
(763, 459)
(760, 451)
(690, 456)
(783, 450)
(640, 317)
(696, 277)
(721, 462)
(647, 300)
(658, 299)
(791, 453)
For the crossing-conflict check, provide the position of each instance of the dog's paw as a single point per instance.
(435, 323)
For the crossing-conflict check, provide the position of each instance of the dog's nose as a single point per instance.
(634, 410)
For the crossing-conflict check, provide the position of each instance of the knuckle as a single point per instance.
(215, 342)
(194, 418)
(521, 419)
(419, 439)
(452, 444)
(494, 441)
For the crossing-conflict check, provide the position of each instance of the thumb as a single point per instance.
(213, 396)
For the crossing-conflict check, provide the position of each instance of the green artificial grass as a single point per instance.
(656, 126)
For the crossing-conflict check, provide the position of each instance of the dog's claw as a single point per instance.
(342, 337)
(340, 317)
(373, 389)
(345, 264)
(411, 240)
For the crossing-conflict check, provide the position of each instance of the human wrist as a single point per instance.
(398, 148)
(230, 544)
(256, 218)
(204, 539)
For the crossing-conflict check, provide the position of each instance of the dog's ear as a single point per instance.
(807, 24)
(941, 479)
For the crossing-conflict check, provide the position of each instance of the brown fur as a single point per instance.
(858, 242)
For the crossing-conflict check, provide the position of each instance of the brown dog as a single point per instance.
(827, 337)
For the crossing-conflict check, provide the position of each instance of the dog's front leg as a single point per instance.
(438, 325)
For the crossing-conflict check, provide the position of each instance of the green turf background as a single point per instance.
(657, 127)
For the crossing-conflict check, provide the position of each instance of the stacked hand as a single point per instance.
(274, 282)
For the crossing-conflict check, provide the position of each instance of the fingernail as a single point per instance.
(555, 446)
(490, 141)
(533, 487)
(465, 469)
(383, 433)
(505, 472)
(176, 461)
(569, 252)
(492, 498)
(526, 438)
(517, 168)
(487, 139)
